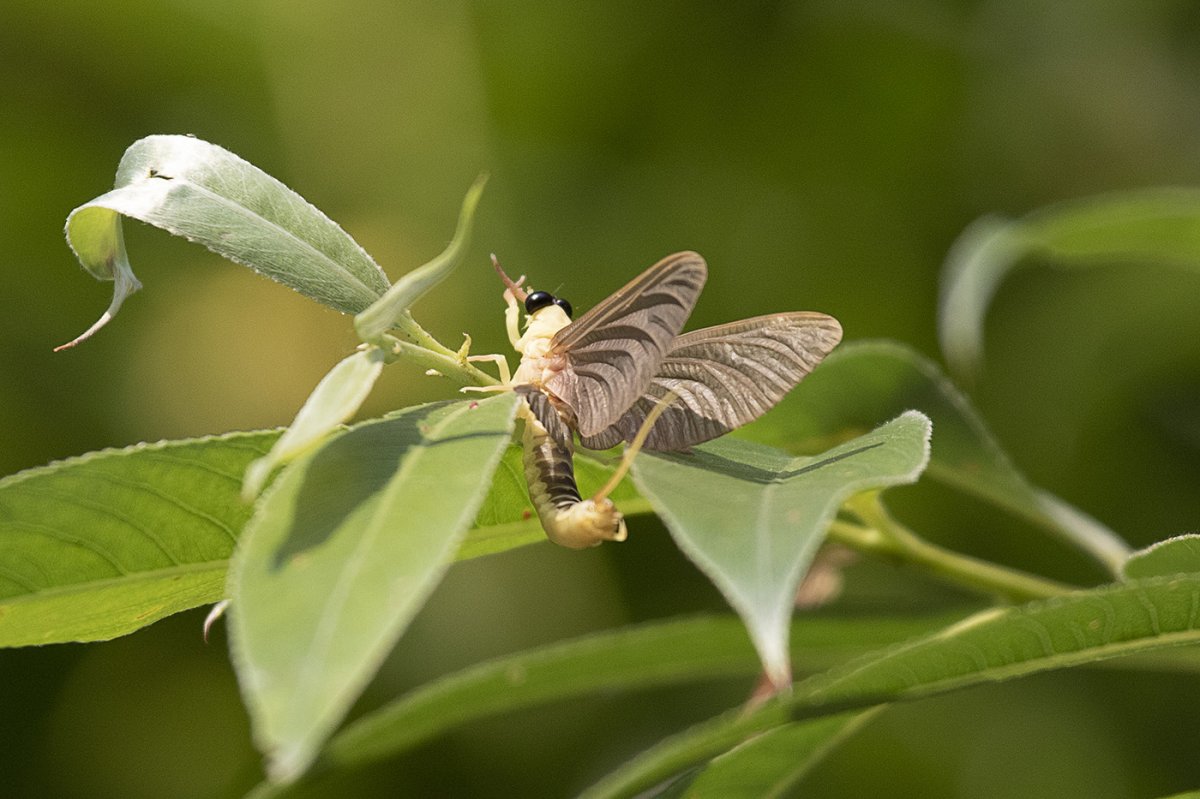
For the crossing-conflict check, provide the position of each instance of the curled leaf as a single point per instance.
(206, 194)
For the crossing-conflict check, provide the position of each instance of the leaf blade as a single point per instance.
(1144, 616)
(657, 653)
(206, 194)
(103, 544)
(320, 590)
(791, 501)
(1173, 555)
(392, 307)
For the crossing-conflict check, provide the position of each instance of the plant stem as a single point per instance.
(448, 365)
(888, 538)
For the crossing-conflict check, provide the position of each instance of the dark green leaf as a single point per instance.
(769, 765)
(106, 543)
(659, 653)
(999, 644)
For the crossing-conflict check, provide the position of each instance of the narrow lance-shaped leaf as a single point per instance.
(335, 399)
(106, 543)
(391, 309)
(670, 652)
(752, 517)
(206, 194)
(343, 550)
(999, 644)
(768, 765)
(1156, 225)
(1174, 555)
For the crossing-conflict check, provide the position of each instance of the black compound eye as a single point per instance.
(538, 300)
(566, 306)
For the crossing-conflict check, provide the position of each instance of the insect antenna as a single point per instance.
(515, 288)
(631, 451)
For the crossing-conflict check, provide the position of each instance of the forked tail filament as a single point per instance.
(631, 451)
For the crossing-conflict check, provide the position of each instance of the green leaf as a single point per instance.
(335, 399)
(771, 764)
(993, 645)
(1157, 225)
(101, 545)
(634, 658)
(343, 550)
(752, 517)
(1172, 556)
(863, 383)
(392, 308)
(208, 195)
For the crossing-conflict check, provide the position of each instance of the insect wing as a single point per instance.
(614, 350)
(725, 376)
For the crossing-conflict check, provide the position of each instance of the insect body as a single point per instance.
(622, 372)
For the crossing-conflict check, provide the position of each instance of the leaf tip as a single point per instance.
(218, 610)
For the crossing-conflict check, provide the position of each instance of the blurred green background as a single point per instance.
(821, 155)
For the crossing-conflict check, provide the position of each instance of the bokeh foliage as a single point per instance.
(820, 155)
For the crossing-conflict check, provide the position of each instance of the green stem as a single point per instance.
(448, 365)
(408, 327)
(884, 536)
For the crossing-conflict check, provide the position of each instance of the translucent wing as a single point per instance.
(725, 377)
(614, 350)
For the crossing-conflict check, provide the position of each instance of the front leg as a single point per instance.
(501, 367)
(512, 318)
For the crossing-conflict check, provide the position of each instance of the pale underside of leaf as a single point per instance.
(752, 517)
(345, 547)
(197, 190)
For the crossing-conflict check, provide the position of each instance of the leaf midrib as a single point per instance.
(89, 586)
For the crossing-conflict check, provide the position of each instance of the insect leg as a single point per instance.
(631, 451)
(501, 366)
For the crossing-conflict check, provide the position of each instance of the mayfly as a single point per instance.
(622, 372)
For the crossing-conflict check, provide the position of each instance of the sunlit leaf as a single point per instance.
(343, 550)
(654, 654)
(335, 399)
(1172, 556)
(106, 543)
(1000, 644)
(862, 384)
(1151, 225)
(208, 195)
(752, 517)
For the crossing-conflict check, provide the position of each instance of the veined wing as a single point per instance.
(725, 377)
(614, 350)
